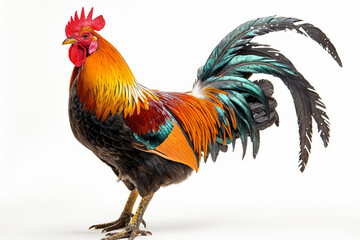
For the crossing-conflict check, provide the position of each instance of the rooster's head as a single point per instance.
(80, 33)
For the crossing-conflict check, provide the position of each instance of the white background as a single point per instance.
(54, 188)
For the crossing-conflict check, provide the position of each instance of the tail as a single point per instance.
(232, 62)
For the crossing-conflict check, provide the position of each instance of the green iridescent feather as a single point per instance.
(235, 58)
(152, 139)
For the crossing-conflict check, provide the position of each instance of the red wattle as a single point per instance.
(77, 54)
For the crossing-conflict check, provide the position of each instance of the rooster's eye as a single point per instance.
(85, 36)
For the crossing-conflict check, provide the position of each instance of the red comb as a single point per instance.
(74, 25)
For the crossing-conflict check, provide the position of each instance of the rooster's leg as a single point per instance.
(133, 230)
(124, 218)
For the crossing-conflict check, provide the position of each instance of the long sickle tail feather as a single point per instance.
(236, 58)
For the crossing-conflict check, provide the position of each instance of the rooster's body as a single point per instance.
(151, 138)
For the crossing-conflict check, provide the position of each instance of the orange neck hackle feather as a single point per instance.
(106, 84)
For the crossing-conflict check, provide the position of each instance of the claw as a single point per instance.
(104, 225)
(109, 234)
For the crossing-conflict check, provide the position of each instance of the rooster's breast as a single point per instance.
(112, 141)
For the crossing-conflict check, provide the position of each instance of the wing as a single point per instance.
(158, 132)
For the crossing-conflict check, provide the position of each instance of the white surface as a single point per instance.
(54, 188)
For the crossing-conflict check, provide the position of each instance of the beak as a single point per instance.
(69, 41)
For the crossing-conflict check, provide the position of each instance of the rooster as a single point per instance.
(151, 139)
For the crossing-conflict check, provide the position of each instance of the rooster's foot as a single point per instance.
(130, 232)
(123, 221)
